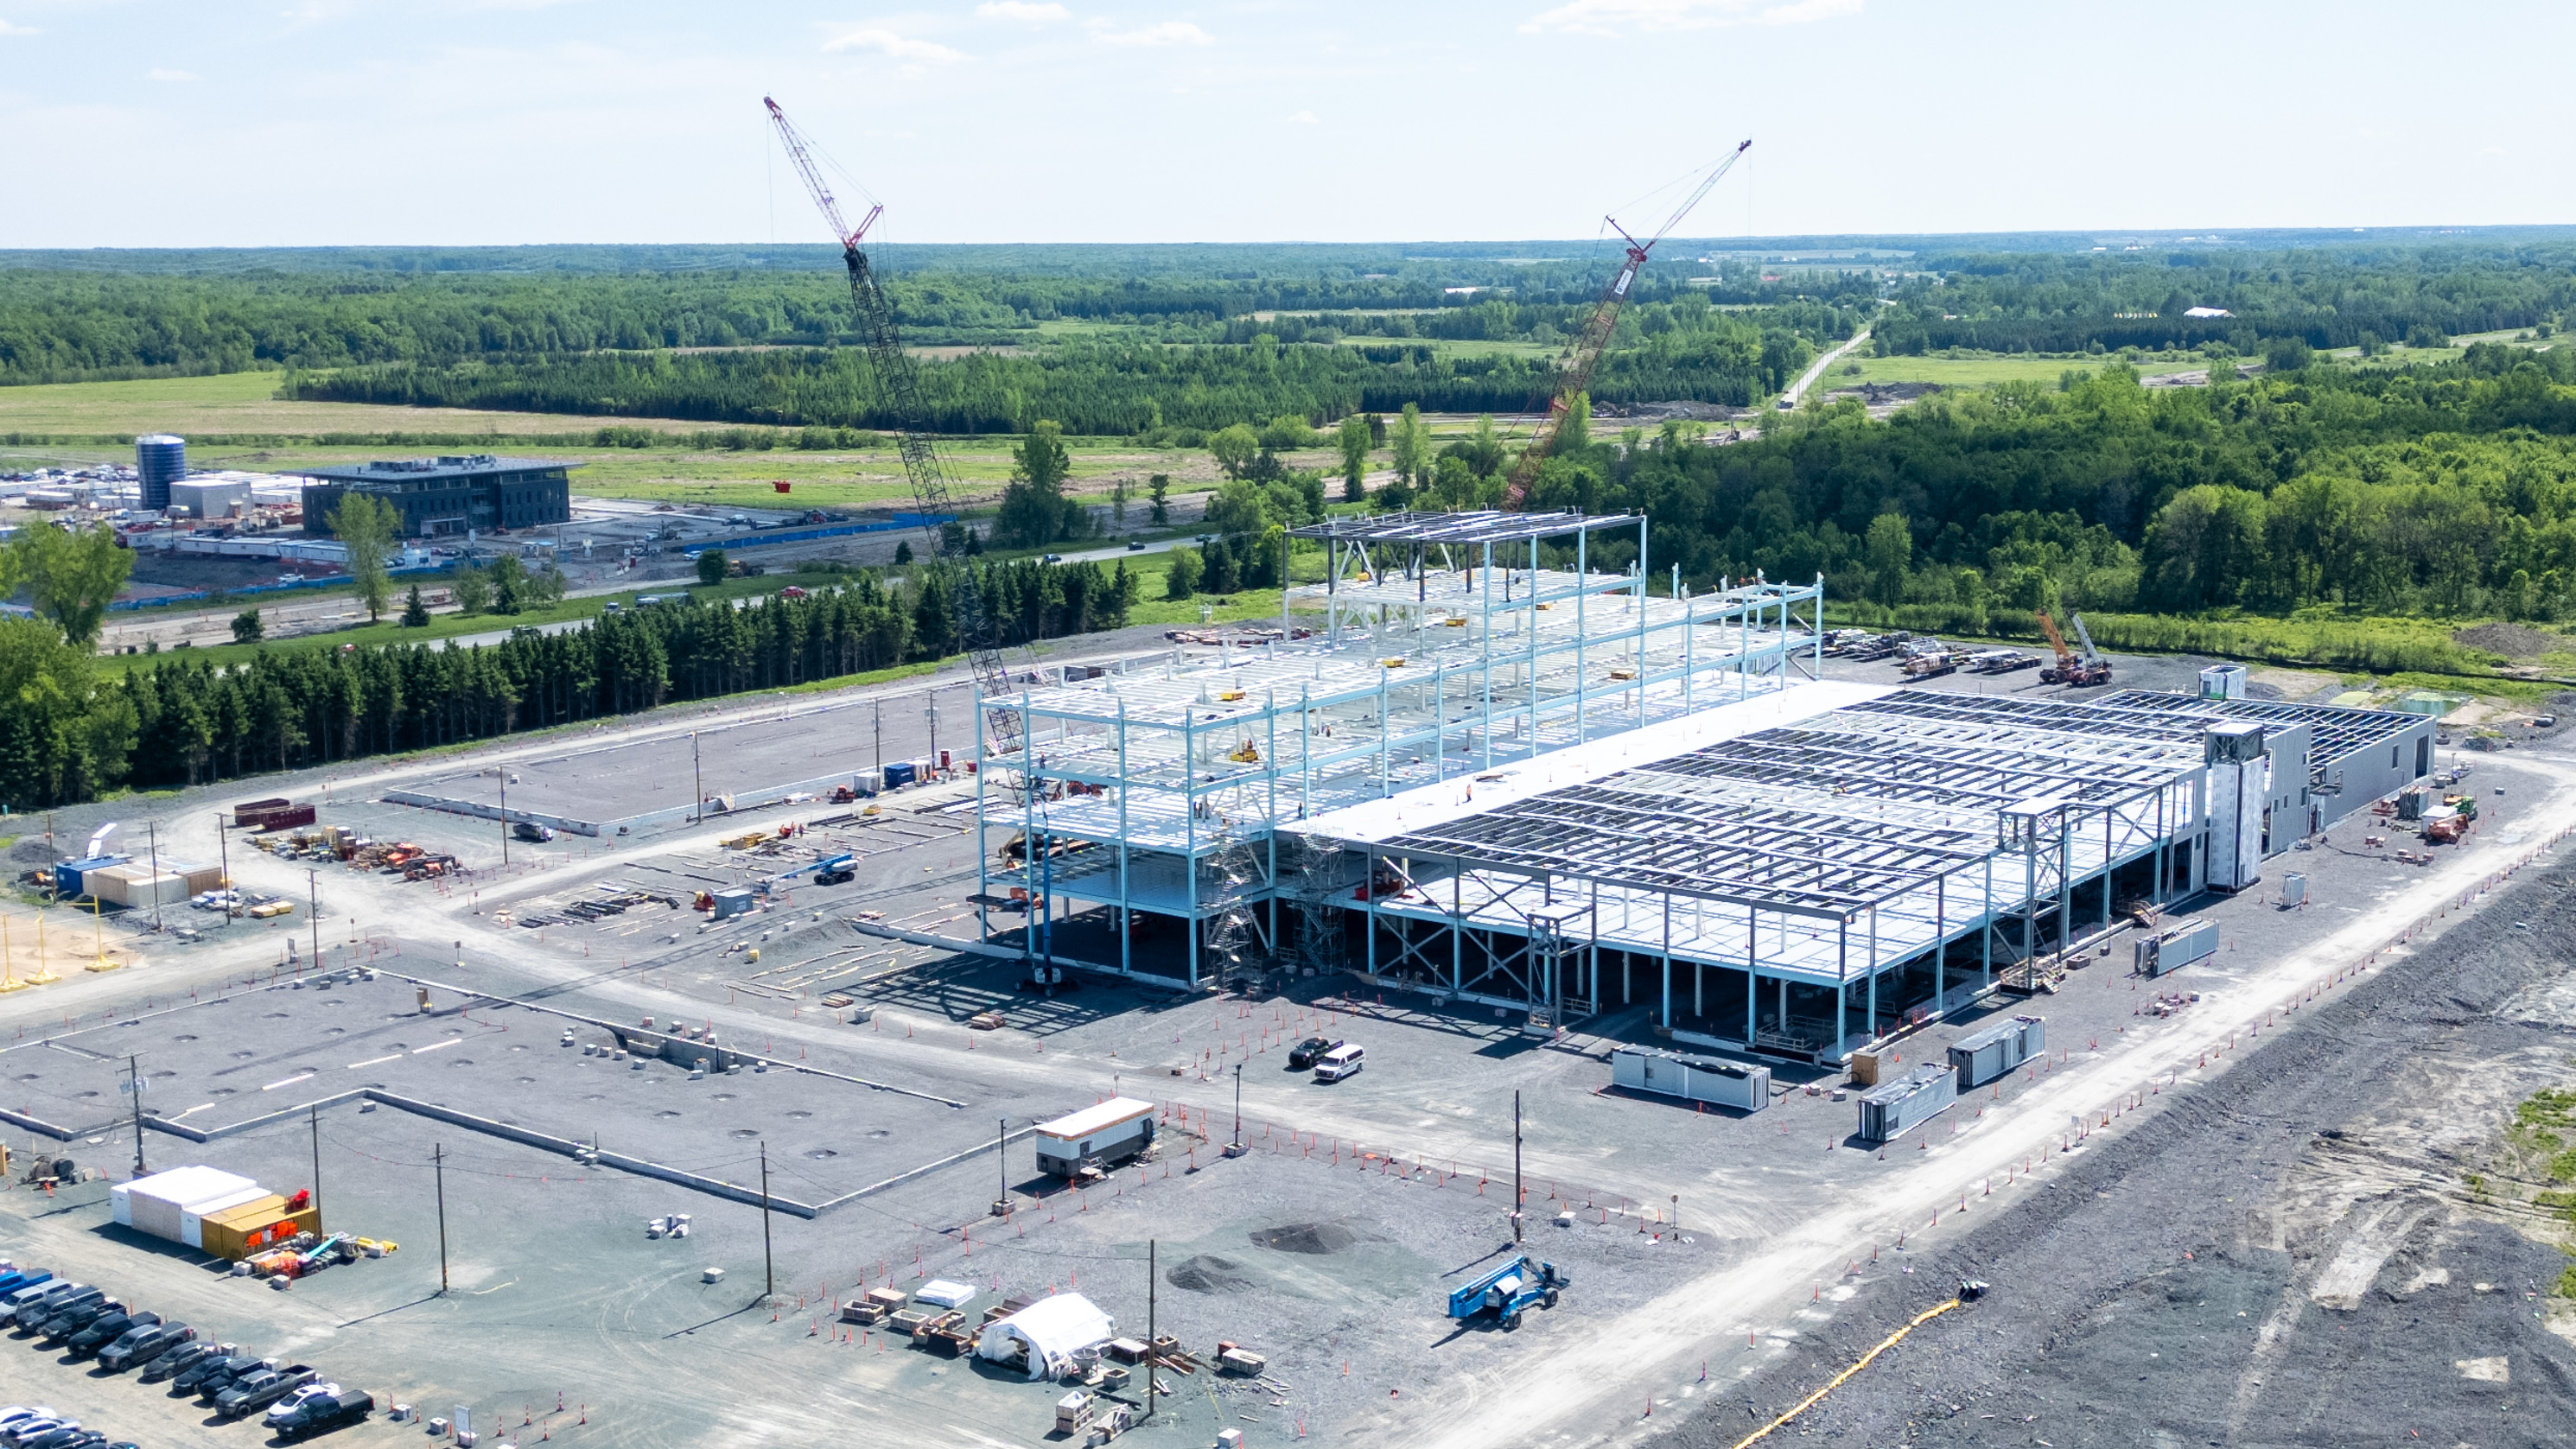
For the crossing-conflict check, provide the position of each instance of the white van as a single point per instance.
(1340, 1062)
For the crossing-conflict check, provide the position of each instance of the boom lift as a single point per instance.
(1507, 1290)
(1574, 366)
(921, 463)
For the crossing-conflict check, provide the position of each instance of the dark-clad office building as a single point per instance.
(441, 496)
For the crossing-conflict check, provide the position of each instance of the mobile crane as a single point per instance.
(2073, 671)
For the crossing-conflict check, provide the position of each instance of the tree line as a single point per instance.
(72, 733)
(1165, 393)
(2446, 489)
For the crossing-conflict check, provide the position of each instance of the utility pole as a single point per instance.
(1150, 1350)
(1516, 1168)
(932, 695)
(313, 913)
(134, 1088)
(876, 709)
(313, 1115)
(1238, 1107)
(152, 834)
(698, 779)
(1002, 1158)
(224, 844)
(438, 1163)
(504, 772)
(768, 1264)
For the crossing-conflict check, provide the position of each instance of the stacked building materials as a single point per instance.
(159, 1204)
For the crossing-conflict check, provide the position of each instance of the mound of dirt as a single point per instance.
(2513, 641)
(1208, 1273)
(32, 851)
(1314, 1239)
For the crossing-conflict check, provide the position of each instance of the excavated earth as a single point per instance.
(2336, 1243)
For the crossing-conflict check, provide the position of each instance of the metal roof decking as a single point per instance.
(1473, 526)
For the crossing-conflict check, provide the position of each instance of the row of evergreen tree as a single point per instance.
(181, 721)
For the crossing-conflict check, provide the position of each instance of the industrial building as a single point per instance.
(1513, 783)
(449, 495)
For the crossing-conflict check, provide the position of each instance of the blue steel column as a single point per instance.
(1190, 833)
(1486, 690)
(1126, 910)
(983, 840)
(1641, 618)
(1582, 597)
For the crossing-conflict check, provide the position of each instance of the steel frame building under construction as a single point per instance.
(1437, 647)
(1473, 766)
(1805, 872)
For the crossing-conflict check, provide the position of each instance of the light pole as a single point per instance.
(313, 912)
(876, 708)
(134, 1088)
(1238, 1107)
(698, 782)
(504, 772)
(933, 712)
(152, 833)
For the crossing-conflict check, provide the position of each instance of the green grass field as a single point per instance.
(1981, 371)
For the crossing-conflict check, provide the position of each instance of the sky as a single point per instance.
(143, 123)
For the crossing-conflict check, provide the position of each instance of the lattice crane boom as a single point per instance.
(931, 492)
(1575, 366)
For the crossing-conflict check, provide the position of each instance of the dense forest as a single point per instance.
(2445, 489)
(179, 721)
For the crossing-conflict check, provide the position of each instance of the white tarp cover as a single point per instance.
(1058, 1332)
(945, 1293)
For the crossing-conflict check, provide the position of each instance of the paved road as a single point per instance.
(1798, 390)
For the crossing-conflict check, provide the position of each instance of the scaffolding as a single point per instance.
(1435, 648)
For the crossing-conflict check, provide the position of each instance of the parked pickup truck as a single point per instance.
(140, 1344)
(214, 1376)
(183, 1357)
(319, 1413)
(256, 1391)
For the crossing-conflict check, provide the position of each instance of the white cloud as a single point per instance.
(171, 75)
(1303, 118)
(1170, 32)
(900, 47)
(8, 29)
(1614, 17)
(1022, 10)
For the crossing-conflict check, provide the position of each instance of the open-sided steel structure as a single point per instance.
(1804, 873)
(1434, 647)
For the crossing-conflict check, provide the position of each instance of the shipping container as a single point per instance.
(254, 1228)
(1109, 1133)
(156, 1203)
(282, 817)
(192, 1223)
(1712, 1080)
(1983, 1056)
(134, 884)
(898, 774)
(1891, 1111)
(70, 877)
(732, 902)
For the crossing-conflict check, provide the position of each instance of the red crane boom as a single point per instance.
(1583, 354)
(931, 493)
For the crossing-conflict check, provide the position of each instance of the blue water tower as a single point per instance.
(159, 460)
